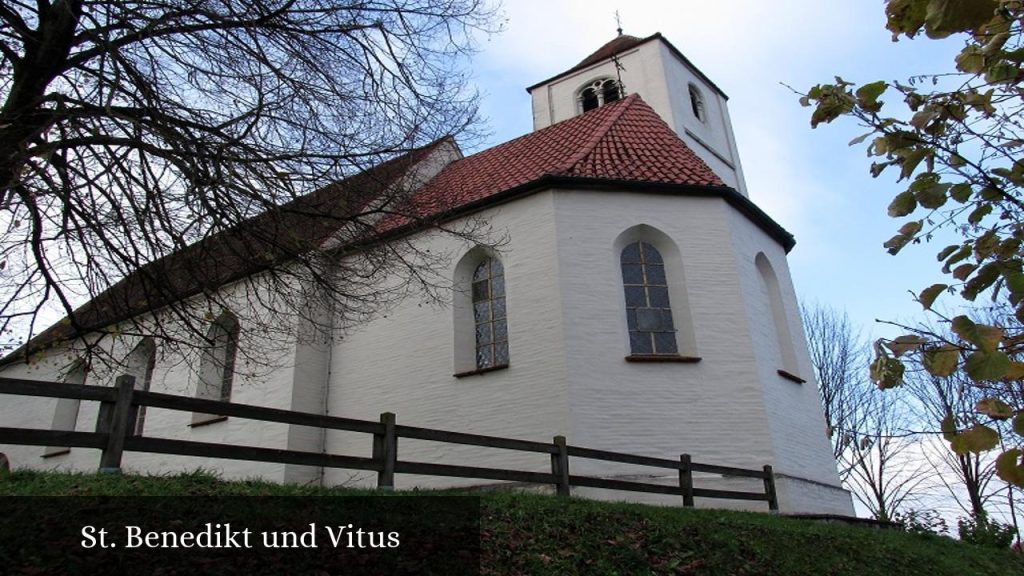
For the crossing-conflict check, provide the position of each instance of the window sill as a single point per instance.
(791, 377)
(663, 358)
(56, 452)
(200, 421)
(480, 371)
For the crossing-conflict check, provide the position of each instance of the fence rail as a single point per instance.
(115, 434)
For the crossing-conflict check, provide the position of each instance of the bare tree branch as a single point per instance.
(154, 151)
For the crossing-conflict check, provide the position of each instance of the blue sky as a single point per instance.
(810, 181)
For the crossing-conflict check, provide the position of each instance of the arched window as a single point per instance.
(648, 312)
(773, 297)
(217, 370)
(589, 99)
(480, 318)
(598, 93)
(140, 364)
(697, 103)
(489, 315)
(610, 91)
(65, 415)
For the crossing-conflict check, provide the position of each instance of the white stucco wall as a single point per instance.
(568, 374)
(263, 377)
(713, 138)
(568, 343)
(794, 411)
(783, 397)
(404, 361)
(308, 383)
(732, 408)
(712, 409)
(641, 72)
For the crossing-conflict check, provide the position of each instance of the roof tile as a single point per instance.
(625, 140)
(618, 44)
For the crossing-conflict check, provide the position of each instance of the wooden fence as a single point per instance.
(115, 434)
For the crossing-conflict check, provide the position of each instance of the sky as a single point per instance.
(810, 181)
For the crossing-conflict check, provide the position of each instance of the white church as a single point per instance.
(640, 302)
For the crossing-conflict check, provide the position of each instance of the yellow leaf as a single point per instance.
(903, 204)
(1010, 467)
(1015, 372)
(978, 439)
(988, 337)
(903, 344)
(983, 365)
(964, 328)
(905, 17)
(945, 17)
(887, 372)
(971, 60)
(995, 408)
(948, 426)
(929, 294)
(941, 361)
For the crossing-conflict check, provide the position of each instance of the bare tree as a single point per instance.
(138, 141)
(882, 462)
(968, 477)
(868, 427)
(839, 356)
(968, 474)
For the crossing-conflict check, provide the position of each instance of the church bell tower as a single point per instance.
(652, 67)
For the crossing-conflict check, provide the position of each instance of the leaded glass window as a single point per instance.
(648, 313)
(489, 315)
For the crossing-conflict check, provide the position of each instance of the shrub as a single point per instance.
(981, 531)
(922, 522)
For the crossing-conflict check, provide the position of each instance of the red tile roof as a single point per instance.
(621, 141)
(618, 44)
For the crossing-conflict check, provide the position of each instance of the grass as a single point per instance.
(532, 534)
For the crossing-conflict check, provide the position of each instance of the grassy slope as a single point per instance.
(537, 535)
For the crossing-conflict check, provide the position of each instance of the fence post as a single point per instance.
(560, 466)
(385, 449)
(116, 421)
(686, 479)
(769, 488)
